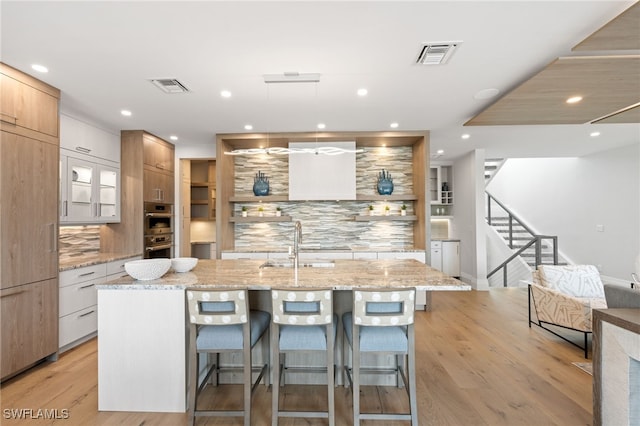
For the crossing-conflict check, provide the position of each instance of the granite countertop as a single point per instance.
(88, 259)
(345, 275)
(344, 249)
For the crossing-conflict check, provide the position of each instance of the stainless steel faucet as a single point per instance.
(297, 239)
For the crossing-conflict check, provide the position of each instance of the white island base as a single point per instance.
(142, 350)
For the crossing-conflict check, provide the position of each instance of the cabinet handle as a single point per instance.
(86, 314)
(86, 286)
(83, 149)
(86, 274)
(54, 238)
(65, 208)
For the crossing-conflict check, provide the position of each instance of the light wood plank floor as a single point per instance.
(478, 364)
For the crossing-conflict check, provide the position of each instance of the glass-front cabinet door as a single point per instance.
(108, 203)
(89, 192)
(81, 197)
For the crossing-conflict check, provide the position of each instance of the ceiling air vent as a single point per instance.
(436, 53)
(170, 85)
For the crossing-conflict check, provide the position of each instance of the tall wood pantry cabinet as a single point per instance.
(29, 161)
(147, 175)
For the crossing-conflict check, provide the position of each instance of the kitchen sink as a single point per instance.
(301, 264)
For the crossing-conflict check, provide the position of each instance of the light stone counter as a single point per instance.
(345, 275)
(89, 259)
(142, 325)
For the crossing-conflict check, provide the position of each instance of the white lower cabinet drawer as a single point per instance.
(77, 296)
(78, 325)
(78, 275)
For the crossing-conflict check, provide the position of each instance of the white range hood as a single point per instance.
(322, 177)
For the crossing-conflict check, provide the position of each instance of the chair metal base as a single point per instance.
(542, 324)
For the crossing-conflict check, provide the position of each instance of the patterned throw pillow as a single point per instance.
(574, 280)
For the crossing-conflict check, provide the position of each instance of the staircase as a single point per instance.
(519, 236)
(491, 167)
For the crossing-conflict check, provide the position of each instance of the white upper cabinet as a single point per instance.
(89, 174)
(85, 139)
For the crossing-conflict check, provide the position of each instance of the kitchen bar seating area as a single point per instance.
(460, 380)
(126, 359)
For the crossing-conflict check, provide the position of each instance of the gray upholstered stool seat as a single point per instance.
(303, 321)
(382, 322)
(220, 321)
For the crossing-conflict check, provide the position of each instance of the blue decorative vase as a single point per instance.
(260, 185)
(385, 183)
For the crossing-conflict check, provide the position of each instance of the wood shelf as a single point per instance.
(362, 218)
(392, 197)
(275, 198)
(249, 219)
(203, 184)
(256, 199)
(200, 202)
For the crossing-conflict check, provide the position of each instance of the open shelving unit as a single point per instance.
(227, 200)
(399, 218)
(249, 219)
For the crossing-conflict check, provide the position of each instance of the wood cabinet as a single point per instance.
(29, 325)
(140, 182)
(28, 212)
(29, 160)
(158, 169)
(158, 153)
(26, 106)
(158, 187)
(185, 209)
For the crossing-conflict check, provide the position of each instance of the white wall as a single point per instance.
(572, 197)
(468, 223)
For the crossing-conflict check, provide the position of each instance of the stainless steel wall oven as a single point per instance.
(158, 230)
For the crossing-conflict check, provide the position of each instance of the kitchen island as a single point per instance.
(143, 332)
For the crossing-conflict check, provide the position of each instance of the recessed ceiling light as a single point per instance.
(126, 113)
(574, 99)
(486, 94)
(362, 92)
(39, 68)
(173, 137)
(321, 125)
(225, 94)
(248, 127)
(394, 125)
(465, 136)
(594, 134)
(440, 151)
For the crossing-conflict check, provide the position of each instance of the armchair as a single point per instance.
(563, 296)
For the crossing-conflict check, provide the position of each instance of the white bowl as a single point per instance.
(147, 269)
(184, 264)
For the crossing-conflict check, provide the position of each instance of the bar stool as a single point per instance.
(303, 321)
(382, 322)
(219, 323)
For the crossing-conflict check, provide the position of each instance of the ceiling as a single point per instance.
(103, 54)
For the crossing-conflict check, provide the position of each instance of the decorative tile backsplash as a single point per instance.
(77, 241)
(327, 224)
